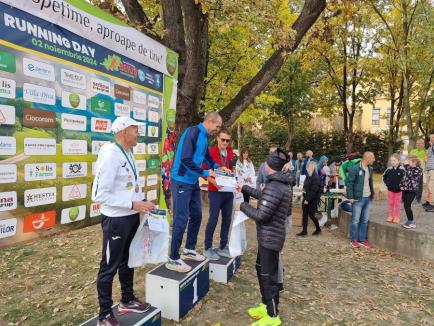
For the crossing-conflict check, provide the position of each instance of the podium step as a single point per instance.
(223, 269)
(175, 294)
(152, 317)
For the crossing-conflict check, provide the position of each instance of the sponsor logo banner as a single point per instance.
(74, 192)
(74, 147)
(39, 171)
(142, 181)
(7, 115)
(139, 113)
(100, 86)
(37, 69)
(72, 78)
(139, 97)
(140, 148)
(39, 118)
(39, 146)
(73, 214)
(153, 116)
(122, 92)
(93, 168)
(8, 201)
(151, 180)
(154, 163)
(100, 105)
(74, 100)
(152, 131)
(154, 101)
(101, 125)
(142, 130)
(39, 94)
(73, 122)
(8, 228)
(7, 62)
(151, 195)
(7, 88)
(39, 196)
(8, 173)
(74, 169)
(95, 209)
(39, 221)
(141, 165)
(8, 145)
(153, 148)
(122, 110)
(96, 146)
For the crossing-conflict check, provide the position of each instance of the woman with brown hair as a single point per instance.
(245, 171)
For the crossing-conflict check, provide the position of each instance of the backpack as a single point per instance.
(346, 166)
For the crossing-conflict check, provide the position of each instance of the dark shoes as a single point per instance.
(317, 232)
(302, 234)
(133, 306)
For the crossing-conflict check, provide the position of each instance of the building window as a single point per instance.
(388, 111)
(375, 116)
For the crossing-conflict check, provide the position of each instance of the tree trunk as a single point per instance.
(239, 137)
(290, 124)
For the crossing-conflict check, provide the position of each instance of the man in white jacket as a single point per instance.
(116, 188)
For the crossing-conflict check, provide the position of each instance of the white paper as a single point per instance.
(158, 223)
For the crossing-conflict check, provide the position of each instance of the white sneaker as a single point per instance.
(188, 254)
(178, 266)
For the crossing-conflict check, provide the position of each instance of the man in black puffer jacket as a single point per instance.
(274, 205)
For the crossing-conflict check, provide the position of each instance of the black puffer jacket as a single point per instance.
(312, 188)
(274, 205)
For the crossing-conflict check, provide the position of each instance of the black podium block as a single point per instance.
(223, 269)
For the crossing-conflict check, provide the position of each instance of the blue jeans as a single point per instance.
(219, 201)
(360, 216)
(187, 210)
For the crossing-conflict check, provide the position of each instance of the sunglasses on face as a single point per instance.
(225, 140)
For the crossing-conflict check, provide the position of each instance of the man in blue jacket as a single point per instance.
(192, 151)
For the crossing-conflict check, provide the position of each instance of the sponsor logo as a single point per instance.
(122, 110)
(151, 195)
(7, 88)
(140, 148)
(153, 148)
(8, 173)
(142, 181)
(74, 192)
(73, 214)
(122, 92)
(100, 86)
(39, 171)
(139, 97)
(7, 115)
(152, 180)
(171, 62)
(8, 145)
(38, 69)
(7, 62)
(8, 200)
(139, 113)
(93, 168)
(74, 169)
(152, 131)
(142, 130)
(39, 196)
(141, 75)
(8, 228)
(115, 63)
(73, 122)
(153, 116)
(95, 209)
(73, 101)
(141, 165)
(39, 221)
(39, 94)
(74, 147)
(39, 146)
(39, 118)
(99, 105)
(72, 79)
(100, 125)
(96, 146)
(153, 102)
(154, 163)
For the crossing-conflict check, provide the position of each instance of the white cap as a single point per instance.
(124, 122)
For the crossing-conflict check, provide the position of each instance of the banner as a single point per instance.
(60, 90)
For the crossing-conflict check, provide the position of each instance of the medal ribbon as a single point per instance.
(129, 162)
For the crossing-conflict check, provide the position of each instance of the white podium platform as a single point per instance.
(177, 293)
(223, 269)
(152, 317)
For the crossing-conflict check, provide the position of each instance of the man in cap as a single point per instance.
(116, 187)
(273, 208)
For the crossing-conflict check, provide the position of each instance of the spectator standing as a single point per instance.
(409, 186)
(392, 178)
(245, 170)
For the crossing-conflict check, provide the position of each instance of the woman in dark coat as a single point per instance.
(312, 190)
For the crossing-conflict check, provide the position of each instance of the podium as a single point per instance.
(223, 269)
(177, 293)
(152, 317)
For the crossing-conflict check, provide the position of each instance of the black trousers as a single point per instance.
(408, 197)
(118, 232)
(309, 210)
(267, 264)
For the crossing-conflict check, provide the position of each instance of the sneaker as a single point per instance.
(178, 266)
(134, 305)
(224, 252)
(396, 219)
(110, 320)
(257, 312)
(268, 321)
(425, 204)
(211, 254)
(389, 219)
(409, 225)
(355, 244)
(366, 244)
(429, 208)
(301, 234)
(189, 254)
(317, 232)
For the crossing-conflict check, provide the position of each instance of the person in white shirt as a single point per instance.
(245, 171)
(116, 188)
